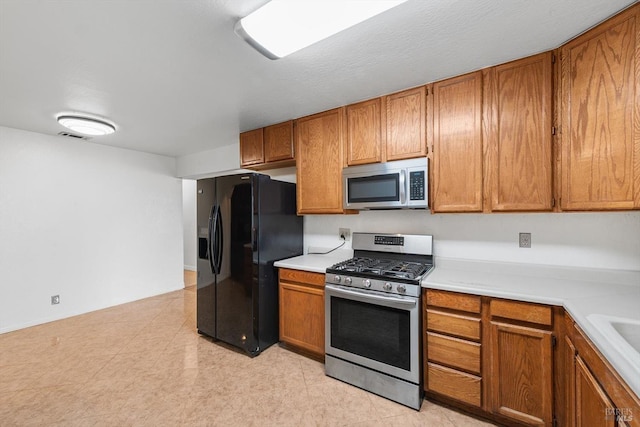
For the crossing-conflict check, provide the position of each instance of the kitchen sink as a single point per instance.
(622, 333)
(630, 331)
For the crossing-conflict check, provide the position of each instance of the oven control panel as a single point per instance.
(373, 285)
(388, 240)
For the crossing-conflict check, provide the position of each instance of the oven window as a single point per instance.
(378, 188)
(371, 331)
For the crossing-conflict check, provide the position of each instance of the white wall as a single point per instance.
(189, 219)
(599, 240)
(97, 225)
(209, 163)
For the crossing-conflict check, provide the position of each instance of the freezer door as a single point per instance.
(206, 290)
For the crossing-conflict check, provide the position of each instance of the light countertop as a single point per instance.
(586, 294)
(315, 262)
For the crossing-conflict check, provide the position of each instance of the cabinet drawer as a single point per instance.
(453, 324)
(455, 384)
(454, 301)
(301, 276)
(523, 311)
(453, 352)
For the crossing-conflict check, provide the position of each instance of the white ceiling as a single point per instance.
(176, 80)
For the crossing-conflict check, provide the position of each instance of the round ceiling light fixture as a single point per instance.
(86, 125)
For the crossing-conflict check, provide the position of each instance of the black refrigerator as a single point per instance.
(245, 223)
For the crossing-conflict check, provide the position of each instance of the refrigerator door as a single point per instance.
(236, 282)
(206, 289)
(278, 236)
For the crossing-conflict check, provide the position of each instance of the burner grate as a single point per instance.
(382, 267)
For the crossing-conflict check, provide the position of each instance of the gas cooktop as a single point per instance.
(380, 267)
(385, 257)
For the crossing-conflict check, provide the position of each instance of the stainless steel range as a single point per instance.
(372, 315)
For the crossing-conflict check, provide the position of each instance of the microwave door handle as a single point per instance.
(403, 186)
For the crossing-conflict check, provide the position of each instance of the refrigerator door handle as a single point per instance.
(254, 239)
(211, 231)
(214, 240)
(219, 241)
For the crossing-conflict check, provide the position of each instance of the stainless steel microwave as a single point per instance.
(401, 184)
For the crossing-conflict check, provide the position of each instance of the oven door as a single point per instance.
(374, 330)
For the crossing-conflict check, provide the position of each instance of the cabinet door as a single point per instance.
(364, 132)
(519, 116)
(406, 124)
(457, 144)
(521, 373)
(570, 382)
(302, 310)
(601, 116)
(251, 148)
(593, 407)
(320, 159)
(278, 142)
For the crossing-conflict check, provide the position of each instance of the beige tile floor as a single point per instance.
(143, 363)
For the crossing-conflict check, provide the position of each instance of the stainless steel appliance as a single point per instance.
(372, 315)
(245, 223)
(401, 184)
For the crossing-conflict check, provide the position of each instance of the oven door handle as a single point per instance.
(364, 296)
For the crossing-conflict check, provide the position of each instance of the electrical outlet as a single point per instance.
(525, 240)
(55, 299)
(344, 232)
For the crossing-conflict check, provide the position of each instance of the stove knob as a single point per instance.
(402, 289)
(347, 280)
(387, 286)
(367, 283)
(337, 278)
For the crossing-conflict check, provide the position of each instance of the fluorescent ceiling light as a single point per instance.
(86, 125)
(281, 27)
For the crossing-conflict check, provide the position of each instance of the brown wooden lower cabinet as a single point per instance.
(453, 346)
(455, 384)
(595, 395)
(519, 363)
(302, 311)
(591, 405)
(521, 373)
(490, 356)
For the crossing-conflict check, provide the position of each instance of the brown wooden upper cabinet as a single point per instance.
(405, 123)
(320, 159)
(278, 142)
(457, 144)
(365, 138)
(600, 116)
(518, 114)
(388, 128)
(268, 147)
(251, 148)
